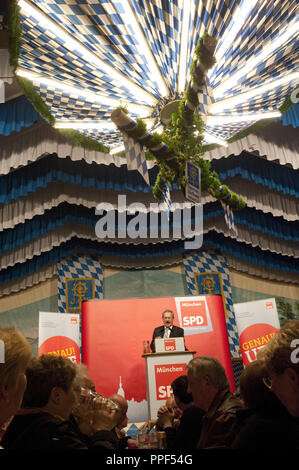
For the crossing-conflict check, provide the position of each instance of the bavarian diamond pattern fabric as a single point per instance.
(229, 217)
(238, 367)
(79, 267)
(205, 99)
(213, 262)
(274, 17)
(136, 157)
(167, 199)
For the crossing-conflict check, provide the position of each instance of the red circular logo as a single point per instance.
(253, 338)
(61, 346)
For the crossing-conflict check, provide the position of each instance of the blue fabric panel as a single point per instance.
(16, 114)
(51, 169)
(291, 116)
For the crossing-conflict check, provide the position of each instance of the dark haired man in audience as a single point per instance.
(210, 389)
(186, 434)
(50, 396)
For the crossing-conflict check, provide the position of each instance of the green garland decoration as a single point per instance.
(83, 141)
(36, 101)
(182, 140)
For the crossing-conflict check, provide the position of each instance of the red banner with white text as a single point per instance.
(59, 334)
(257, 323)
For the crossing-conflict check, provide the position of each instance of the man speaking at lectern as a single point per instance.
(167, 330)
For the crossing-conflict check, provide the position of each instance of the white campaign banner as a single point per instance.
(59, 333)
(257, 323)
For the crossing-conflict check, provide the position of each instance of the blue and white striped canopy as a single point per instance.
(87, 57)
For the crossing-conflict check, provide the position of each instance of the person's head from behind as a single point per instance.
(206, 377)
(123, 407)
(51, 385)
(281, 357)
(253, 392)
(15, 356)
(83, 377)
(180, 392)
(168, 317)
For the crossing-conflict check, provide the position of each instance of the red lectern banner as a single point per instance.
(113, 332)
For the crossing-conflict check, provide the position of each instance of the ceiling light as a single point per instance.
(237, 21)
(182, 75)
(159, 129)
(139, 110)
(252, 93)
(230, 119)
(76, 47)
(212, 139)
(117, 149)
(129, 19)
(99, 125)
(251, 63)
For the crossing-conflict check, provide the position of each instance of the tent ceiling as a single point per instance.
(85, 58)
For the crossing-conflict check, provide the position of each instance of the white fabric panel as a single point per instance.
(28, 281)
(6, 70)
(261, 271)
(261, 198)
(254, 238)
(41, 139)
(256, 144)
(25, 208)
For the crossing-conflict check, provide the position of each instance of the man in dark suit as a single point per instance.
(167, 330)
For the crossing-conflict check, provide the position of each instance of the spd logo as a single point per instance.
(194, 314)
(169, 345)
(165, 375)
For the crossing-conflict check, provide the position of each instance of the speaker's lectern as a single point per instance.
(162, 369)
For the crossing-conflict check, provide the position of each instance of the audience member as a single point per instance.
(80, 416)
(50, 396)
(281, 356)
(169, 412)
(16, 354)
(83, 377)
(185, 434)
(150, 424)
(265, 422)
(123, 440)
(210, 389)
